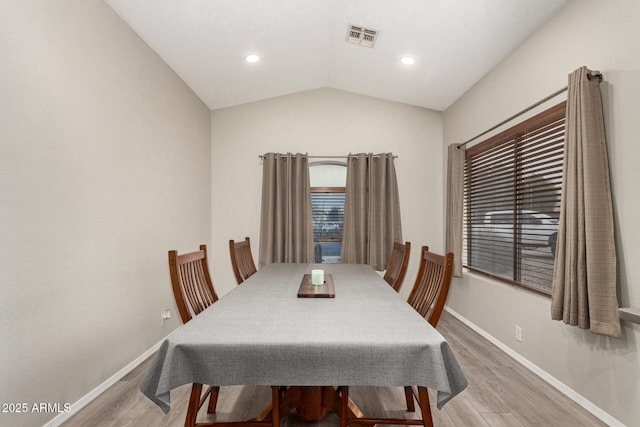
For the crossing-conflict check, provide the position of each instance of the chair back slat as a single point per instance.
(195, 287)
(191, 283)
(242, 259)
(398, 262)
(431, 287)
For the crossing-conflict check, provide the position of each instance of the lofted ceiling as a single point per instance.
(302, 44)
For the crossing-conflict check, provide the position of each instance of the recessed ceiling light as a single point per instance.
(252, 58)
(407, 60)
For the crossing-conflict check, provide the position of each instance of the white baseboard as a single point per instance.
(563, 388)
(76, 407)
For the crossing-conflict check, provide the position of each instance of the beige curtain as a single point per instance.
(584, 282)
(372, 210)
(455, 201)
(286, 231)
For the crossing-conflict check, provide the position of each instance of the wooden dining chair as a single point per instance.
(427, 297)
(397, 267)
(193, 291)
(429, 293)
(241, 259)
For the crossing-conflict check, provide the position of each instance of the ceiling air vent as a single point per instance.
(360, 35)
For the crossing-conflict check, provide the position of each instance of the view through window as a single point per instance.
(328, 180)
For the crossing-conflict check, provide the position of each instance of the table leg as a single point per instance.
(289, 400)
(311, 405)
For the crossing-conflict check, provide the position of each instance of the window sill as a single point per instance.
(630, 314)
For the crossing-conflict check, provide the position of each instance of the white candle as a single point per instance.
(317, 277)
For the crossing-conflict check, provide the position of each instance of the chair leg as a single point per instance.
(194, 403)
(213, 399)
(344, 406)
(425, 408)
(275, 411)
(408, 395)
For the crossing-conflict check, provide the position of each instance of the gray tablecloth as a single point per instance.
(262, 333)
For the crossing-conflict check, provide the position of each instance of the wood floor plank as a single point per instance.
(238, 403)
(502, 393)
(110, 406)
(463, 412)
(485, 394)
(497, 419)
(531, 404)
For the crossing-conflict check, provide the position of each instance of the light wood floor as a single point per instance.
(501, 393)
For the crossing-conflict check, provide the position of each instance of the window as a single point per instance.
(513, 183)
(328, 182)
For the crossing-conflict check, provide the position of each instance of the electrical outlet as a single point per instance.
(166, 315)
(518, 333)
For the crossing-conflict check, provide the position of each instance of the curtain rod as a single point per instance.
(529, 108)
(262, 156)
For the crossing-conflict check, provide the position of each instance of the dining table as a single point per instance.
(264, 332)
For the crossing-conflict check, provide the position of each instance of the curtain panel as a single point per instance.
(584, 282)
(455, 206)
(372, 210)
(286, 230)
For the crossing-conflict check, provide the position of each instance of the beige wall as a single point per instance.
(104, 166)
(107, 160)
(604, 36)
(322, 122)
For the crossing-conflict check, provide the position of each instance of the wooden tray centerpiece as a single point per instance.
(309, 290)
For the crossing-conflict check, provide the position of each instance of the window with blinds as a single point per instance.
(328, 182)
(328, 213)
(513, 183)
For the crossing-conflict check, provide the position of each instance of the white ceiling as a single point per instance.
(302, 44)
